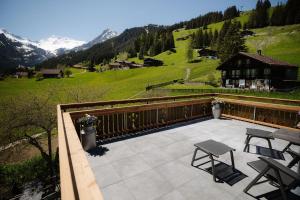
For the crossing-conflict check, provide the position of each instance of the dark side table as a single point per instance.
(212, 148)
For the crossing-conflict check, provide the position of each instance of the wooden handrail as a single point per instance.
(141, 100)
(263, 105)
(66, 182)
(86, 184)
(77, 180)
(137, 108)
(260, 99)
(65, 107)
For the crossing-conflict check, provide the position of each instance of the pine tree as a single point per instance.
(141, 53)
(278, 16)
(231, 13)
(233, 42)
(91, 66)
(190, 52)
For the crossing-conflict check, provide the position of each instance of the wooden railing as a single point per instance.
(118, 122)
(278, 116)
(126, 117)
(77, 180)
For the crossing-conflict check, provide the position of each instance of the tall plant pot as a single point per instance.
(216, 111)
(88, 137)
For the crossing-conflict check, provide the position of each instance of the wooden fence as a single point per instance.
(119, 122)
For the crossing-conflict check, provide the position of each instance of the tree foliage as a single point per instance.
(231, 13)
(153, 43)
(232, 42)
(189, 52)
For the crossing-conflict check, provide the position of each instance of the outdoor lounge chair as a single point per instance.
(280, 175)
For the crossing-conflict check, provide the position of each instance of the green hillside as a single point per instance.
(282, 43)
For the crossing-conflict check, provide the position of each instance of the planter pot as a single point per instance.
(216, 111)
(88, 137)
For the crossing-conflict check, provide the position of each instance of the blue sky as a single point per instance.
(85, 19)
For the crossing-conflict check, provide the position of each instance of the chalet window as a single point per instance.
(239, 62)
(248, 72)
(267, 71)
(223, 73)
(233, 73)
(253, 72)
(237, 73)
(248, 61)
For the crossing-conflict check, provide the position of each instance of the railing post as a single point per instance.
(254, 113)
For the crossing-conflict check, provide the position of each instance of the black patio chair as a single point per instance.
(279, 175)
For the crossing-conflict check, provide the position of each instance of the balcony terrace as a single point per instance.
(147, 146)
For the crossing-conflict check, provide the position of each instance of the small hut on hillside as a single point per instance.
(52, 73)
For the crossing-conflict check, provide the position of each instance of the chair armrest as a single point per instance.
(278, 166)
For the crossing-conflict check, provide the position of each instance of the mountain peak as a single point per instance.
(105, 35)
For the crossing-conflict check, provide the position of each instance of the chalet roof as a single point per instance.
(264, 59)
(50, 71)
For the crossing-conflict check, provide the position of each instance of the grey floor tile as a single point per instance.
(106, 175)
(118, 151)
(148, 185)
(174, 195)
(155, 157)
(130, 166)
(176, 173)
(117, 191)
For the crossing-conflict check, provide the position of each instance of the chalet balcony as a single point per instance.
(145, 146)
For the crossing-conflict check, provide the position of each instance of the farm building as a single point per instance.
(52, 73)
(124, 65)
(209, 53)
(255, 71)
(20, 74)
(152, 62)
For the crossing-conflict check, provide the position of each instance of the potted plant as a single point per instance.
(217, 108)
(88, 131)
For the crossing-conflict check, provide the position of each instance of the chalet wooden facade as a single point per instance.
(256, 71)
(52, 73)
(124, 65)
(209, 53)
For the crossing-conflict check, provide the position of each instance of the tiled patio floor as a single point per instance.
(158, 165)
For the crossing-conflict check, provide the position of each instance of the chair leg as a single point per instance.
(281, 185)
(254, 181)
(194, 156)
(247, 143)
(270, 145)
(287, 147)
(213, 167)
(293, 162)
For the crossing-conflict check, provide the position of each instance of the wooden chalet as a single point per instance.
(52, 73)
(20, 74)
(152, 62)
(209, 53)
(124, 65)
(255, 71)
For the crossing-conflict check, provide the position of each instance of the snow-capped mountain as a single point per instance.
(105, 35)
(55, 43)
(15, 50)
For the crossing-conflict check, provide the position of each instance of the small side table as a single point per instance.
(251, 133)
(212, 148)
